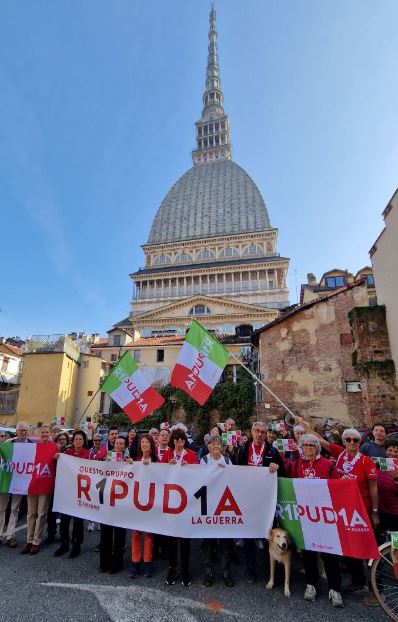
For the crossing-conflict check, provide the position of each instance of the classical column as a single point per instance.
(162, 290)
(258, 279)
(241, 281)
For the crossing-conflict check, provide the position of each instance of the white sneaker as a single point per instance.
(335, 598)
(90, 526)
(310, 593)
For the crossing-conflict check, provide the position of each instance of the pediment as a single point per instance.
(217, 306)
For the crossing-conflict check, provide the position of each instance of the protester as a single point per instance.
(257, 452)
(21, 437)
(113, 539)
(37, 507)
(97, 446)
(271, 435)
(178, 455)
(387, 485)
(143, 550)
(132, 442)
(77, 450)
(224, 547)
(350, 463)
(62, 441)
(163, 443)
(113, 432)
(154, 432)
(377, 447)
(311, 465)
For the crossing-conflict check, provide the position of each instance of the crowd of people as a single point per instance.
(309, 456)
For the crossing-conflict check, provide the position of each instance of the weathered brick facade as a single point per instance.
(306, 358)
(373, 363)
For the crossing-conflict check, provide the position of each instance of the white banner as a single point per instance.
(193, 501)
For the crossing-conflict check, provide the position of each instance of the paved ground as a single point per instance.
(45, 588)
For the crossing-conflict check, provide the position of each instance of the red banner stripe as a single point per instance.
(43, 474)
(200, 392)
(151, 398)
(355, 530)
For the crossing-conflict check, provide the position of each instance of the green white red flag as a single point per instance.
(326, 515)
(386, 464)
(200, 364)
(27, 468)
(127, 385)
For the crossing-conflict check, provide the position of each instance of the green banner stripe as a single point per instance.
(286, 511)
(6, 451)
(203, 341)
(124, 369)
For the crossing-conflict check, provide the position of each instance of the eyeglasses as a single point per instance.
(308, 445)
(351, 440)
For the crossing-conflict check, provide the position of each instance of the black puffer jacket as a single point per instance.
(270, 455)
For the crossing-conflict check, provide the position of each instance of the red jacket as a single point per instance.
(84, 453)
(190, 456)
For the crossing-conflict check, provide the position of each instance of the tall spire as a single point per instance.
(212, 130)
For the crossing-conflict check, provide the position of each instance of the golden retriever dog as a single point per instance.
(279, 546)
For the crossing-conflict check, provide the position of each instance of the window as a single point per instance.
(117, 340)
(353, 387)
(90, 393)
(183, 257)
(161, 259)
(113, 358)
(228, 252)
(253, 249)
(200, 310)
(160, 356)
(370, 279)
(137, 355)
(4, 363)
(206, 254)
(335, 281)
(270, 285)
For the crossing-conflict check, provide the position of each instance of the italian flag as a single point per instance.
(27, 468)
(328, 516)
(200, 364)
(127, 385)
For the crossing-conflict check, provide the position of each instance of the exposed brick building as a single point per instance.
(307, 358)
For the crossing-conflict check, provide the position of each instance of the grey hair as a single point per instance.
(310, 438)
(298, 428)
(351, 432)
(258, 423)
(214, 438)
(21, 424)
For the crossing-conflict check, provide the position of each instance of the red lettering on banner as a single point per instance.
(227, 504)
(316, 518)
(114, 495)
(151, 497)
(166, 499)
(329, 516)
(83, 486)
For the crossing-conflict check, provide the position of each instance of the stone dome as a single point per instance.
(213, 199)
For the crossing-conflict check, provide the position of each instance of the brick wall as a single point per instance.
(306, 359)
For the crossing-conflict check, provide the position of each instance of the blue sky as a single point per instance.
(97, 110)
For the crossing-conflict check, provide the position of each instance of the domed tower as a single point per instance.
(211, 249)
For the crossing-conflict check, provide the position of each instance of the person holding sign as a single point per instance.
(311, 465)
(178, 455)
(146, 455)
(78, 450)
(113, 539)
(224, 546)
(350, 463)
(258, 452)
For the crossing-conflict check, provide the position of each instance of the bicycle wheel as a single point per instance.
(384, 583)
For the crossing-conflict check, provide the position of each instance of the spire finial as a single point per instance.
(212, 131)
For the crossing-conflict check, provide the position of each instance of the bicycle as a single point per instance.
(384, 582)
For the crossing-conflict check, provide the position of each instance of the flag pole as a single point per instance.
(262, 384)
(88, 405)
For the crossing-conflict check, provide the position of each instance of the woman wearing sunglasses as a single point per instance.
(350, 463)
